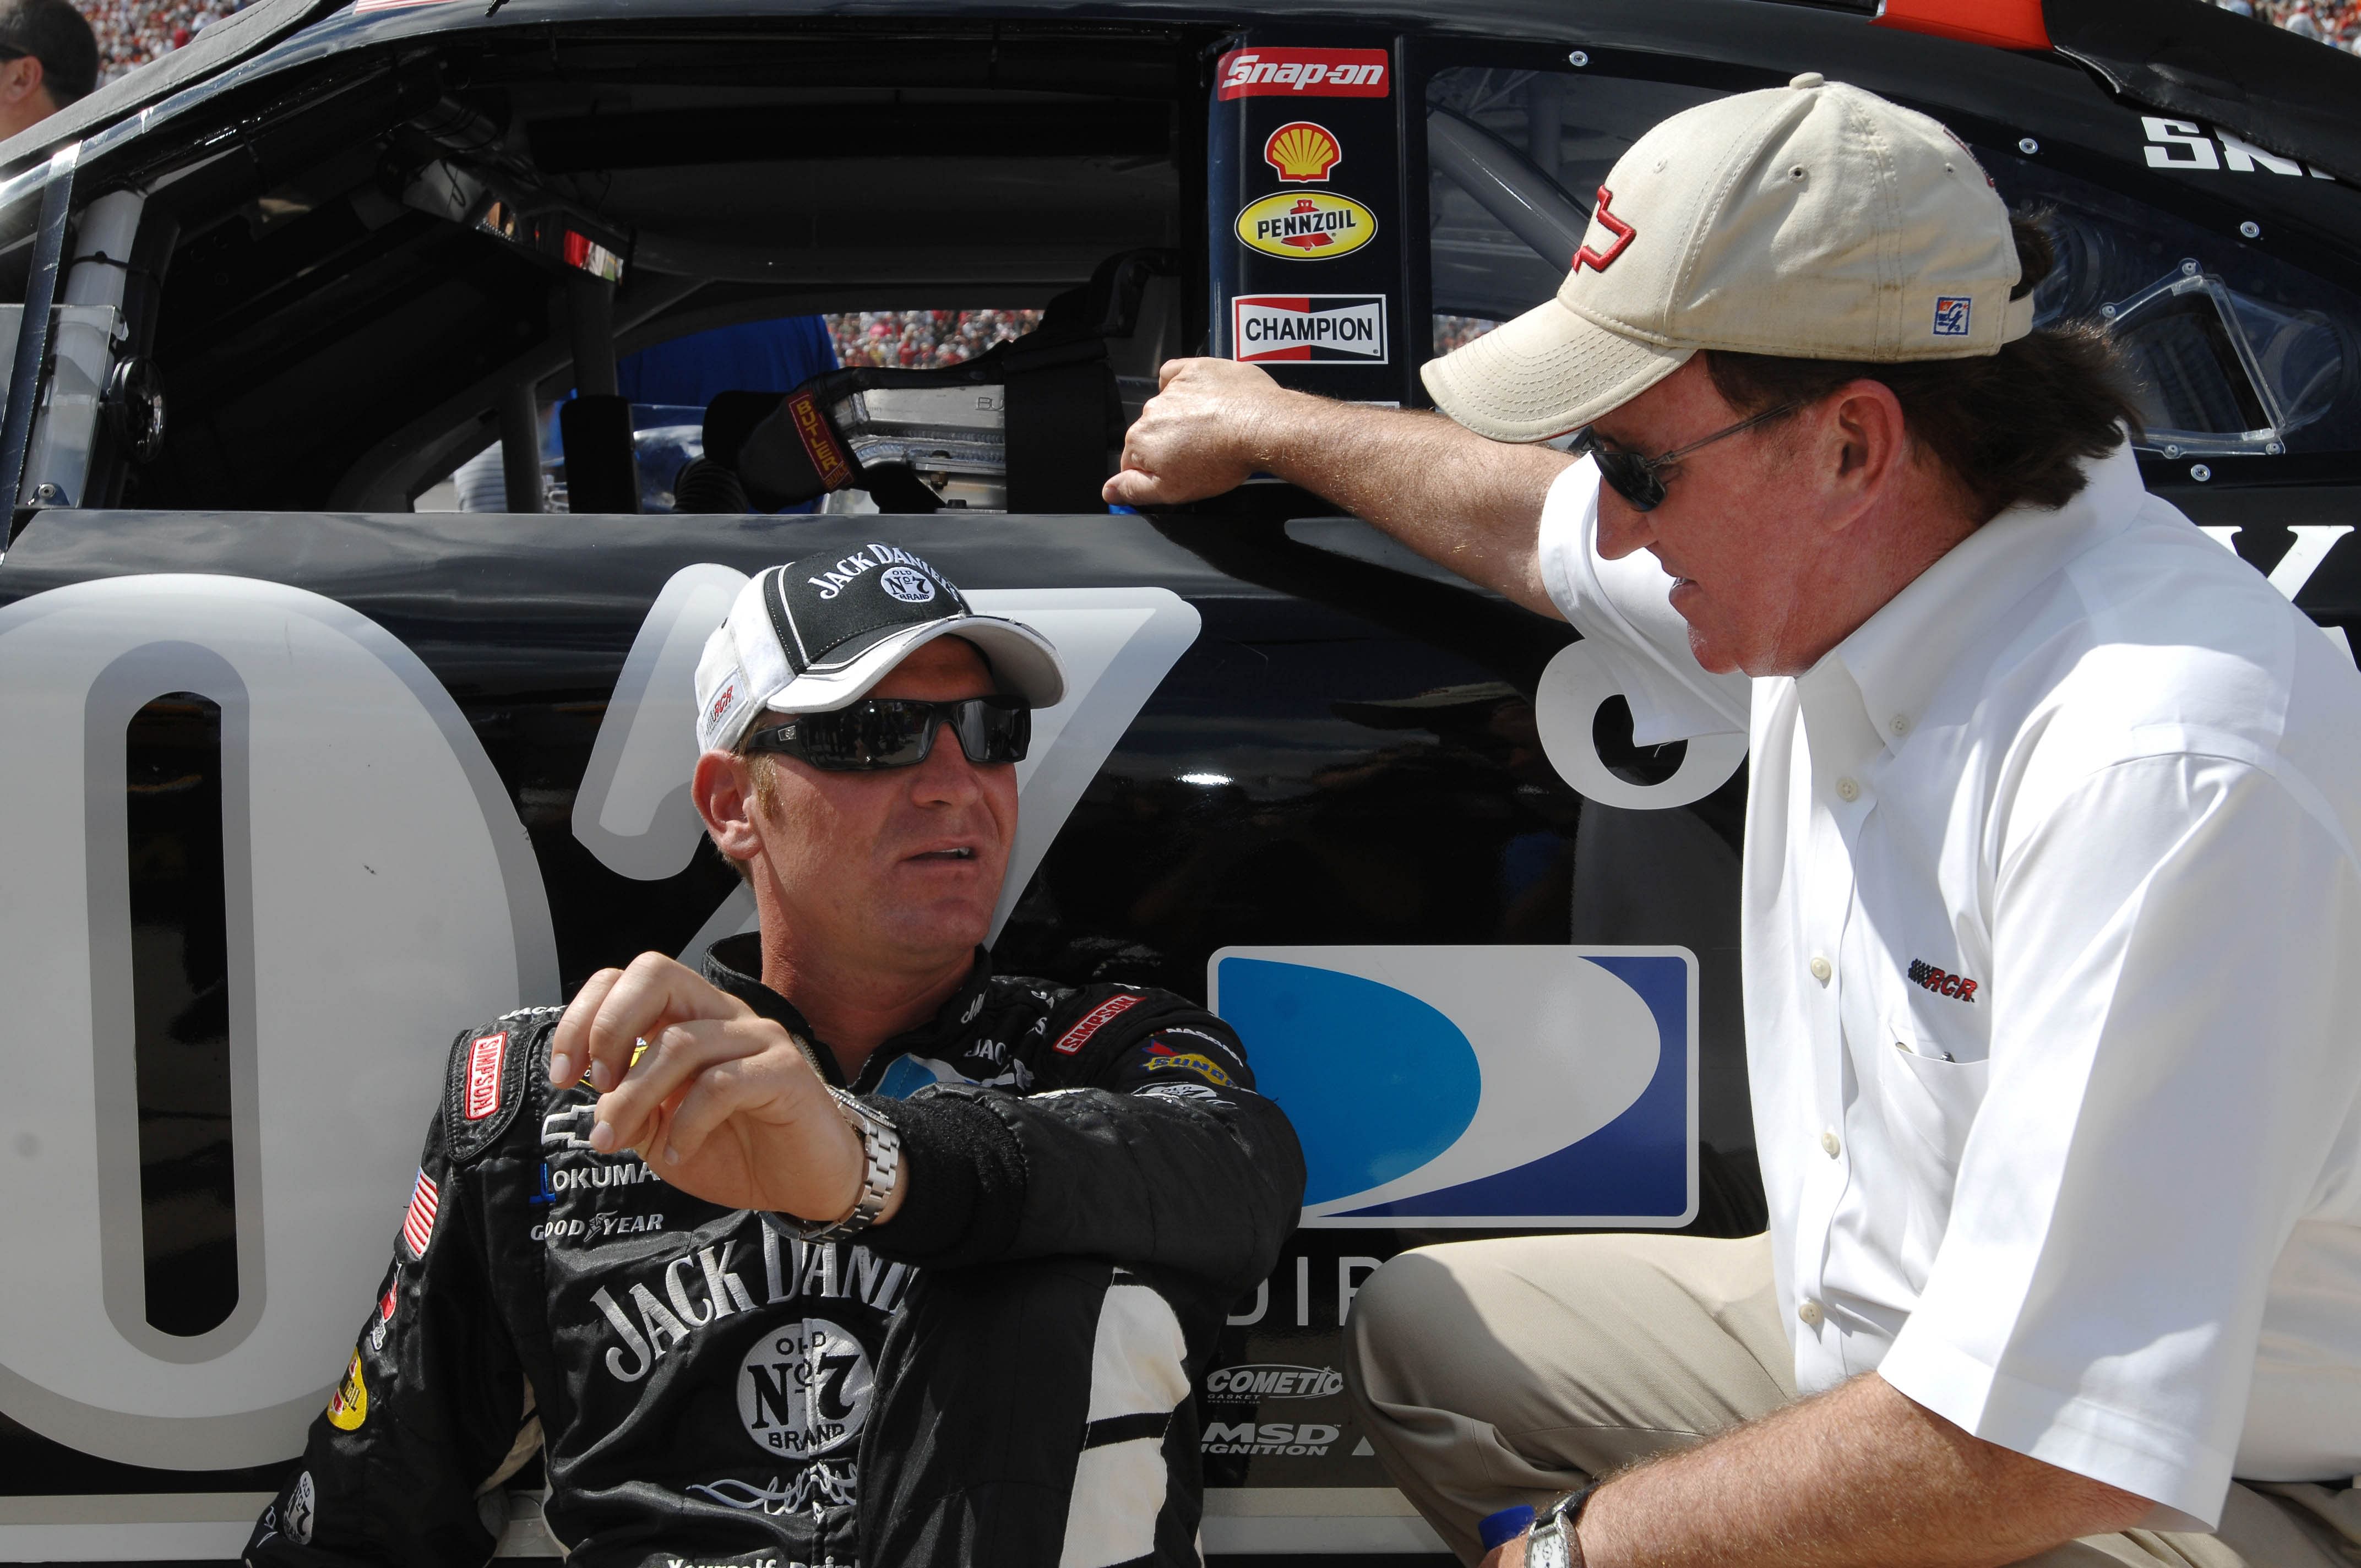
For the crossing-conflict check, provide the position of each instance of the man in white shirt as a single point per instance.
(2052, 911)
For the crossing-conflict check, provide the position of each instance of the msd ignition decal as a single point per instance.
(1544, 1086)
(1310, 225)
(1308, 72)
(1309, 1439)
(1309, 328)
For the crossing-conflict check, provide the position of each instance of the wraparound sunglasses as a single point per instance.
(899, 733)
(1633, 478)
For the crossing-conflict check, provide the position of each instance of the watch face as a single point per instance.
(1546, 1547)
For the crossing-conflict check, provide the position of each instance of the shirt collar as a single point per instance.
(734, 963)
(1899, 657)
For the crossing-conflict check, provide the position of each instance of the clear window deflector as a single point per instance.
(2218, 373)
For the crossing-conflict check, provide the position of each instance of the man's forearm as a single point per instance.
(1471, 504)
(1861, 1476)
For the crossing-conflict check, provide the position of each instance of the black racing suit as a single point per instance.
(1000, 1376)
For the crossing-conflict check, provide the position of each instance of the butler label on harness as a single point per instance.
(1349, 329)
(1306, 225)
(1309, 72)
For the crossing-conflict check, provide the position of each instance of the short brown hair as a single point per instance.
(54, 33)
(2012, 427)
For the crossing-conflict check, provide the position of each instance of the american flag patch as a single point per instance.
(418, 1225)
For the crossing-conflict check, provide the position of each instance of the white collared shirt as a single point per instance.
(2052, 966)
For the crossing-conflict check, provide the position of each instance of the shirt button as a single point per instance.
(1829, 1144)
(1902, 724)
(1821, 970)
(1848, 790)
(1809, 1310)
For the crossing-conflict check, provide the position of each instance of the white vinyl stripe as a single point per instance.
(1118, 1492)
(1137, 1367)
(1136, 1360)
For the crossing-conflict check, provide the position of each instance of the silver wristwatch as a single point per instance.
(881, 1147)
(1552, 1543)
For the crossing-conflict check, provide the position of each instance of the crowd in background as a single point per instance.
(2336, 23)
(133, 32)
(916, 340)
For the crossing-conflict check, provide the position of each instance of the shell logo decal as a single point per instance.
(1306, 225)
(1302, 152)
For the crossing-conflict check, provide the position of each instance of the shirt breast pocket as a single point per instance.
(1927, 1097)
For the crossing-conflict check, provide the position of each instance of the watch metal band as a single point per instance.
(881, 1149)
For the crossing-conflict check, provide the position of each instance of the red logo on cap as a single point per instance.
(1615, 226)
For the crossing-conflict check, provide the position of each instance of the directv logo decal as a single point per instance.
(1335, 328)
(1544, 1086)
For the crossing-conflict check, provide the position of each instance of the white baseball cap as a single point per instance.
(815, 634)
(1813, 221)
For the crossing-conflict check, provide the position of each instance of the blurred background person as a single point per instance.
(49, 58)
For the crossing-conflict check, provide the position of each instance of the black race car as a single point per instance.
(284, 744)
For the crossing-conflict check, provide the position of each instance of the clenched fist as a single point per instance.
(723, 1103)
(1208, 428)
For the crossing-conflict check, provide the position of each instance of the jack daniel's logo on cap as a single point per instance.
(828, 609)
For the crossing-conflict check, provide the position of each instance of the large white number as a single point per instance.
(1571, 690)
(382, 896)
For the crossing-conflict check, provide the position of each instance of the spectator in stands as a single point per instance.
(51, 59)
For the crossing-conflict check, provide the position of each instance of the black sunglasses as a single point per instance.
(899, 733)
(1633, 478)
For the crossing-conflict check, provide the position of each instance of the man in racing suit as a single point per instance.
(999, 1371)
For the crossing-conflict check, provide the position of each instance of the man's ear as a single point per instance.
(20, 79)
(1866, 446)
(723, 789)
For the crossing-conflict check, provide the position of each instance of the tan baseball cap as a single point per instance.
(1813, 221)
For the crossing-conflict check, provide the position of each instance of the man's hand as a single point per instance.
(1200, 435)
(722, 1104)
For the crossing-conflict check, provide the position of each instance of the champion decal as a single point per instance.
(417, 1224)
(1097, 1018)
(484, 1061)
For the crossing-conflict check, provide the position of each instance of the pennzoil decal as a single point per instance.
(1313, 72)
(1306, 225)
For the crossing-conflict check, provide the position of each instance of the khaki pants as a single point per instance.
(1502, 1372)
